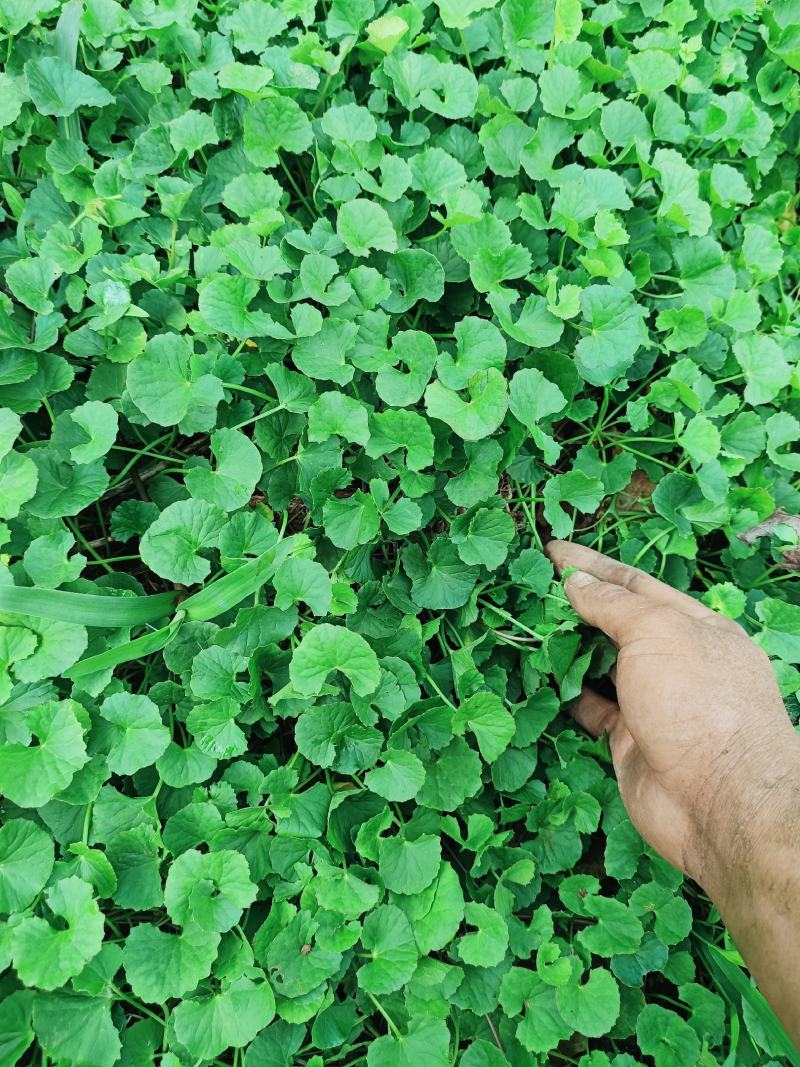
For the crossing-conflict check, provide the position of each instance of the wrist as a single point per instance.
(748, 807)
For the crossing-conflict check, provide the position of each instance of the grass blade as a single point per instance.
(235, 587)
(65, 42)
(734, 984)
(88, 609)
(145, 645)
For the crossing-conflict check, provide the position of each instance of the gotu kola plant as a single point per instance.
(315, 320)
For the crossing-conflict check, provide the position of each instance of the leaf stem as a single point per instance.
(389, 1021)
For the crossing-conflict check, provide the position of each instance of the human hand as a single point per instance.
(699, 735)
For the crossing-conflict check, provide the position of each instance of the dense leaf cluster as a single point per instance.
(316, 319)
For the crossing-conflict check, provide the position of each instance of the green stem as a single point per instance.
(250, 392)
(509, 618)
(436, 688)
(389, 1021)
(135, 1004)
(87, 822)
(466, 51)
(296, 187)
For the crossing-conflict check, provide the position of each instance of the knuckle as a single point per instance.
(626, 576)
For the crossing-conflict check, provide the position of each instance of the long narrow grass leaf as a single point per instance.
(65, 41)
(68, 31)
(231, 590)
(736, 986)
(139, 647)
(88, 609)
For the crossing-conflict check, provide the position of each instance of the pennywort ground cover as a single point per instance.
(315, 320)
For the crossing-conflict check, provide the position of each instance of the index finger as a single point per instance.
(618, 612)
(565, 554)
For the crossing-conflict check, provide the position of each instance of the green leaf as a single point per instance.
(164, 384)
(486, 716)
(192, 131)
(172, 545)
(459, 16)
(418, 352)
(533, 570)
(20, 478)
(30, 775)
(590, 1007)
(303, 581)
(76, 1029)
(327, 648)
(399, 778)
(138, 736)
(409, 866)
(208, 1025)
(389, 942)
(680, 193)
(215, 729)
(617, 932)
(454, 776)
(47, 563)
(26, 860)
(665, 1036)
(47, 956)
(351, 521)
(331, 735)
(487, 946)
(334, 413)
(764, 367)
(436, 913)
(480, 415)
(208, 889)
(63, 489)
(392, 431)
(426, 1043)
(781, 636)
(276, 123)
(486, 539)
(57, 88)
(615, 333)
(30, 280)
(533, 398)
(224, 303)
(437, 174)
(414, 275)
(15, 1021)
(439, 580)
(161, 965)
(363, 225)
(700, 439)
(230, 483)
(479, 346)
(88, 432)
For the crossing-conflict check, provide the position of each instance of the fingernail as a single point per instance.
(581, 578)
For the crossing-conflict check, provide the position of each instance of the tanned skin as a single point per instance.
(707, 760)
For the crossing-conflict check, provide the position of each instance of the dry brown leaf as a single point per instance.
(791, 556)
(765, 528)
(638, 489)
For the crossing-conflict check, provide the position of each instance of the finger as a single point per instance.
(598, 715)
(594, 712)
(564, 554)
(612, 609)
